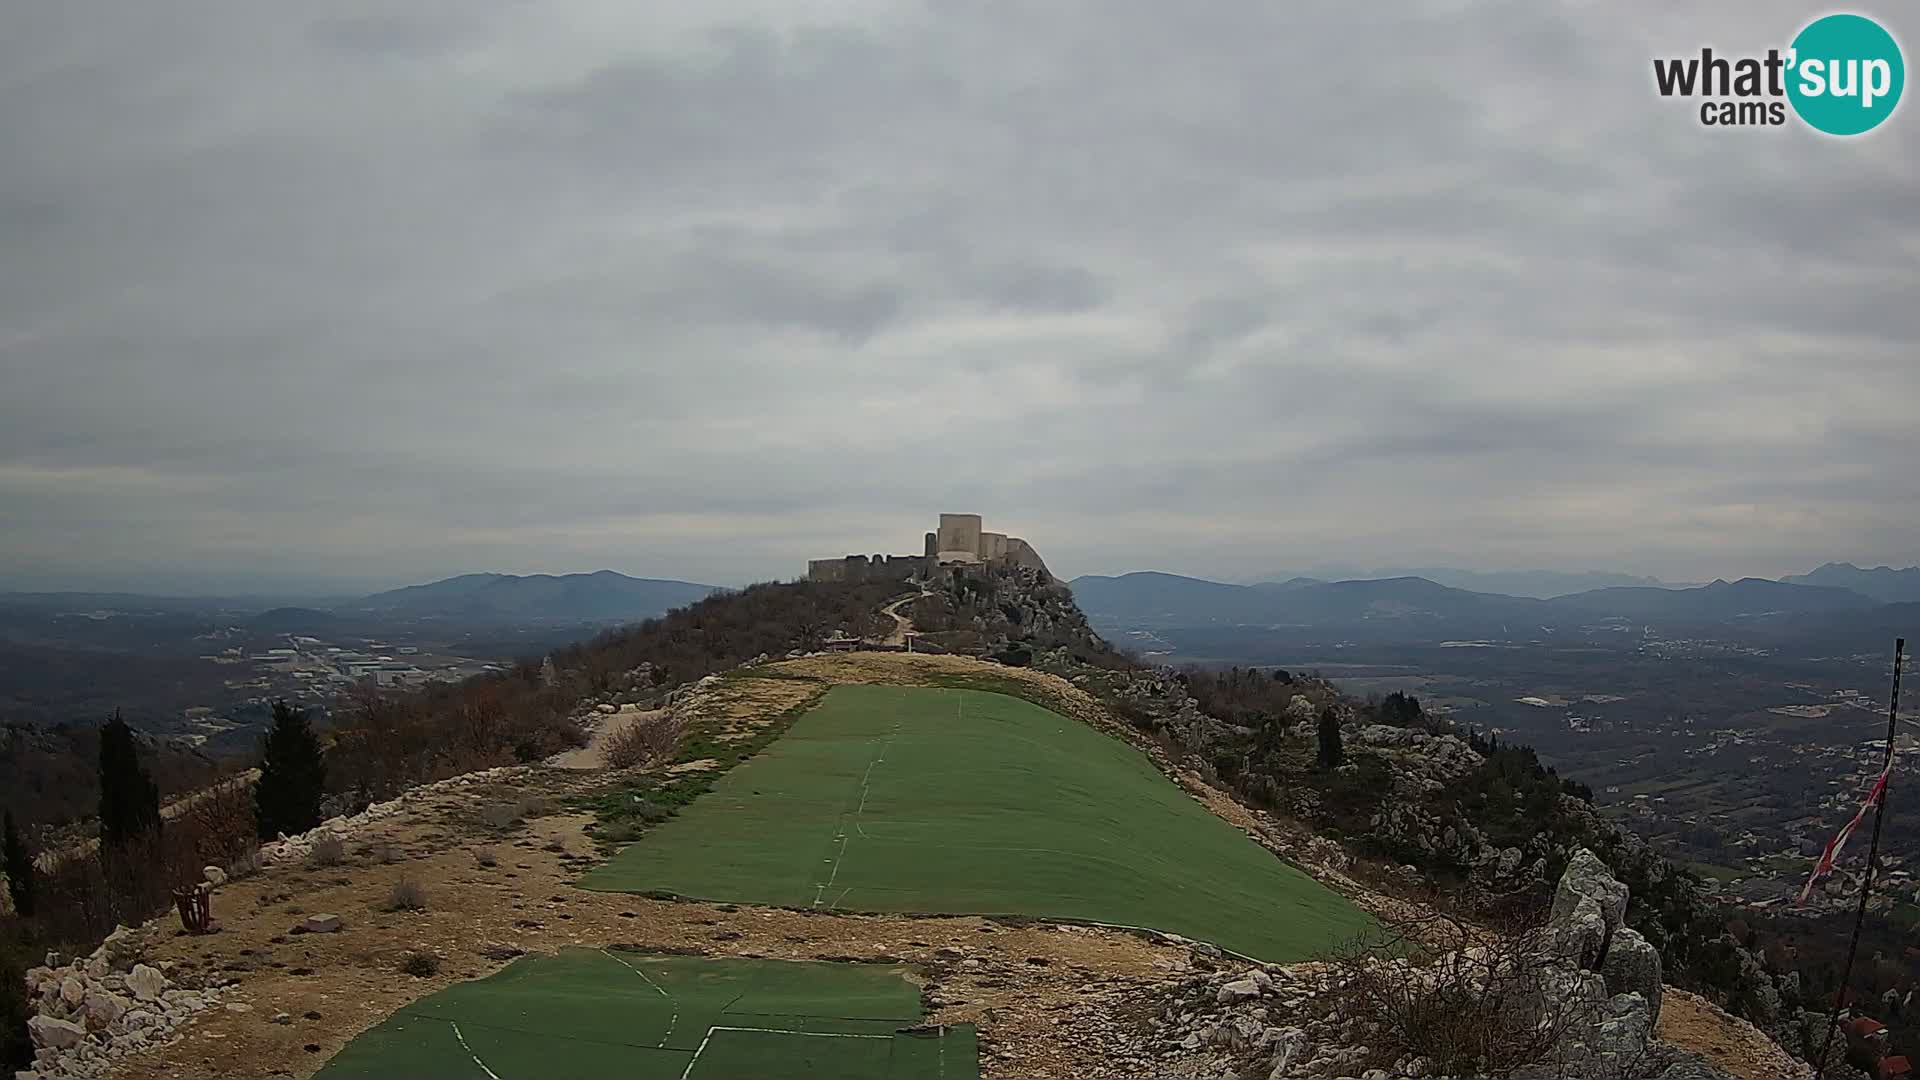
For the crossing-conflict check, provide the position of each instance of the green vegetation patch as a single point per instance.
(947, 801)
(618, 1013)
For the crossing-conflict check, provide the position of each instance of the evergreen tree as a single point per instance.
(293, 776)
(129, 799)
(19, 866)
(1331, 752)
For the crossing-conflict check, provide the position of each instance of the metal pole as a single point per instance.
(1873, 852)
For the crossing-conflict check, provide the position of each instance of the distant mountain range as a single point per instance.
(1539, 584)
(1882, 583)
(604, 596)
(1156, 599)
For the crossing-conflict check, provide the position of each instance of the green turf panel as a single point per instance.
(403, 1045)
(615, 1013)
(927, 800)
(518, 1055)
(581, 989)
(951, 1054)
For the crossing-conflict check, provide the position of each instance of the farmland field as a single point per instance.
(943, 801)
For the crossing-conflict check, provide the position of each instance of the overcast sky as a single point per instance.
(311, 295)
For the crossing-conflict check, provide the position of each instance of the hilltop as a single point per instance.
(491, 852)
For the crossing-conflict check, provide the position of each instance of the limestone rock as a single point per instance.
(1238, 990)
(214, 876)
(103, 1008)
(323, 924)
(55, 1034)
(1632, 966)
(1587, 877)
(146, 982)
(73, 991)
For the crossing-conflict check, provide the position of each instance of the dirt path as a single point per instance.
(594, 754)
(1693, 1023)
(902, 626)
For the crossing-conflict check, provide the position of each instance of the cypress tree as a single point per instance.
(1331, 752)
(293, 776)
(129, 799)
(19, 865)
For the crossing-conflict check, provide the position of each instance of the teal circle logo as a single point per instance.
(1846, 74)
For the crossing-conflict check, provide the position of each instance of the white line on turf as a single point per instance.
(470, 1053)
(672, 1020)
(866, 782)
(702, 1048)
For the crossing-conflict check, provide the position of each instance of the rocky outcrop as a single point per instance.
(1587, 978)
(93, 1011)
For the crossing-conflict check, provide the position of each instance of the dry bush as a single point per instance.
(83, 893)
(1469, 999)
(328, 850)
(420, 964)
(500, 815)
(647, 740)
(407, 895)
(245, 865)
(485, 858)
(383, 851)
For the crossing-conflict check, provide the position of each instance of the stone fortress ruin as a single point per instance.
(959, 541)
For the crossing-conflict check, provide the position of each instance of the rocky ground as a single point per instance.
(456, 879)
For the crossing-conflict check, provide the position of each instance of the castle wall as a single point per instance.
(862, 568)
(826, 569)
(1021, 553)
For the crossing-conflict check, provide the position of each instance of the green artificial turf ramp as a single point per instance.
(594, 1013)
(913, 799)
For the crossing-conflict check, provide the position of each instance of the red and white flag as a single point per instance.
(1825, 865)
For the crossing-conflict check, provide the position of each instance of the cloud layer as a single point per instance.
(358, 298)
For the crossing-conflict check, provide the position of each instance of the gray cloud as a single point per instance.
(704, 290)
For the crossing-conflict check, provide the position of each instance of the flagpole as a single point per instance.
(1873, 852)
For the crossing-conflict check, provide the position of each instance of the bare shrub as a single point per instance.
(1470, 1000)
(533, 806)
(485, 858)
(500, 815)
(245, 865)
(407, 895)
(420, 964)
(329, 850)
(646, 740)
(385, 852)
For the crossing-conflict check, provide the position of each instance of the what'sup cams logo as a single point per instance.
(1842, 75)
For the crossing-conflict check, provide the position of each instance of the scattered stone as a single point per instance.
(326, 923)
(146, 982)
(55, 1034)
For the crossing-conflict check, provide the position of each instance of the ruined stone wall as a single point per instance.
(1021, 553)
(862, 568)
(827, 569)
